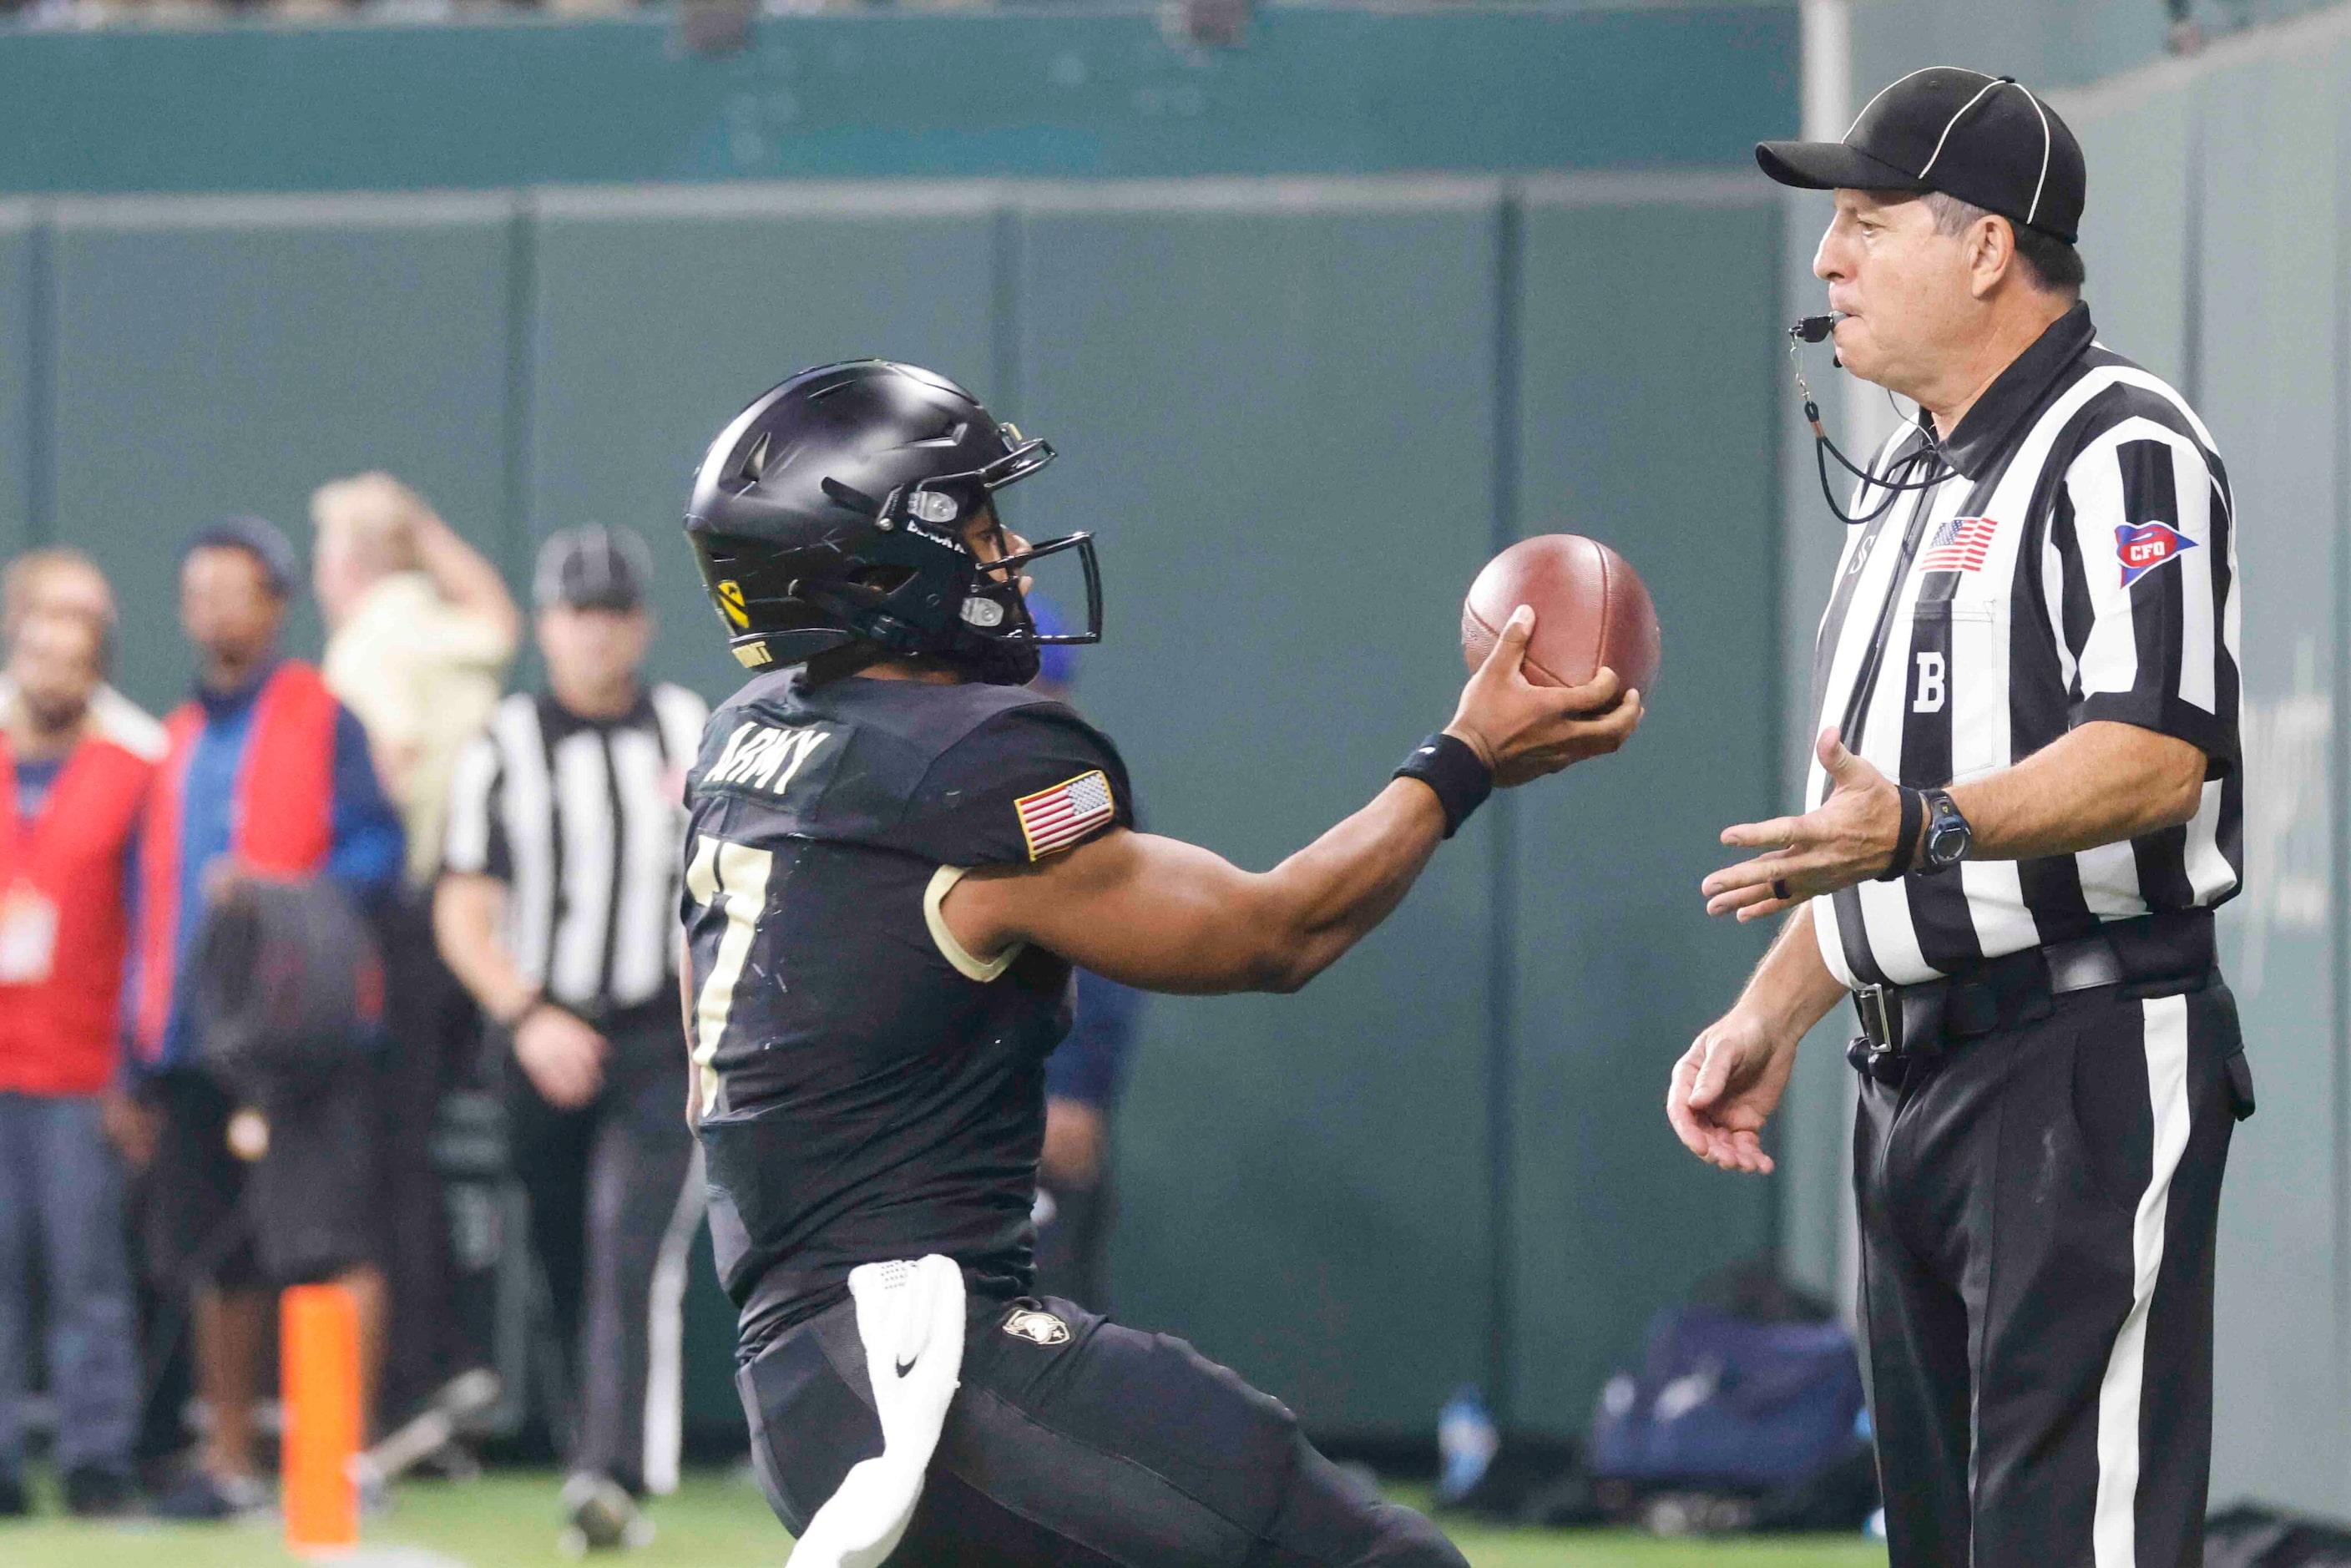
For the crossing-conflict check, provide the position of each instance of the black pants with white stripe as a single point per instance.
(2038, 1208)
(615, 1201)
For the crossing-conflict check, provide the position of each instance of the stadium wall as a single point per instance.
(1302, 392)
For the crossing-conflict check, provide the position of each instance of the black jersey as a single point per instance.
(867, 1089)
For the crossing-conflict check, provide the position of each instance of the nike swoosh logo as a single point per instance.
(905, 1368)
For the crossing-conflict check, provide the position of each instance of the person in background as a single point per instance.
(420, 630)
(71, 793)
(62, 579)
(1083, 1077)
(266, 775)
(557, 906)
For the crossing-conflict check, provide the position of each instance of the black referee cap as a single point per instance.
(592, 568)
(1982, 138)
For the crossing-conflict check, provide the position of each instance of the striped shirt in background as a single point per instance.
(583, 819)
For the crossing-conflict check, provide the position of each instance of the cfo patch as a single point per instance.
(1037, 1327)
(2143, 547)
(1053, 819)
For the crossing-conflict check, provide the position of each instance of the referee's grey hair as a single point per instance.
(2056, 266)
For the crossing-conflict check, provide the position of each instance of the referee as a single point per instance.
(555, 905)
(2026, 804)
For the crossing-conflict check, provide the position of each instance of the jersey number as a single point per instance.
(738, 874)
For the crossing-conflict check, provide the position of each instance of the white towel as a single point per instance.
(910, 1316)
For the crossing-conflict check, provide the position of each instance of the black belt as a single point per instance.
(2154, 955)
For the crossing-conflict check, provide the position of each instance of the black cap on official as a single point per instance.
(1982, 138)
(592, 568)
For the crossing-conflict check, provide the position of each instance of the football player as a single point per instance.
(897, 852)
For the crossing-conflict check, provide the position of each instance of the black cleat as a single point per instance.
(601, 1516)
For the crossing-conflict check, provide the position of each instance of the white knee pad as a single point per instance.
(910, 1316)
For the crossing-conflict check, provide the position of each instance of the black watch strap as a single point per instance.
(1907, 836)
(1448, 765)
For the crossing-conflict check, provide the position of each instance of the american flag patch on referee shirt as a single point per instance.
(1055, 818)
(1959, 544)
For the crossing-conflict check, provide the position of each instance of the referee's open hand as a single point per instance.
(1848, 838)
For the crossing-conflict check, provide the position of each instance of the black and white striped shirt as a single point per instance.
(2080, 565)
(583, 820)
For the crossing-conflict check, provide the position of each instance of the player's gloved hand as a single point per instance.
(562, 1056)
(1726, 1086)
(1524, 731)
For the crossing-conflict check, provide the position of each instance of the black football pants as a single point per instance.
(2038, 1207)
(1113, 1449)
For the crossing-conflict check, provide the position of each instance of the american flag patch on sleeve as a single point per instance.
(1055, 818)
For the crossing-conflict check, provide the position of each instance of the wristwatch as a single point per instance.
(1947, 839)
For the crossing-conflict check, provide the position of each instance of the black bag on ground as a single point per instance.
(287, 985)
(2248, 1535)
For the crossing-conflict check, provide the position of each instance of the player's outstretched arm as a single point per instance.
(1166, 915)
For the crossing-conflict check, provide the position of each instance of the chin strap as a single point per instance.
(910, 1317)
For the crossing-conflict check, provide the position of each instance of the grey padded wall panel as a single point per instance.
(230, 356)
(656, 316)
(1281, 423)
(1652, 429)
(2139, 153)
(2269, 389)
(21, 333)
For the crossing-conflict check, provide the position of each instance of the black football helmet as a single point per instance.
(832, 513)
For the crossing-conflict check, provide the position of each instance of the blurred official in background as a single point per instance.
(420, 630)
(2025, 805)
(557, 906)
(71, 791)
(266, 775)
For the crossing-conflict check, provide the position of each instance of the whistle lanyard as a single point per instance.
(1894, 484)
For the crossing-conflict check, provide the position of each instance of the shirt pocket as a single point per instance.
(1958, 671)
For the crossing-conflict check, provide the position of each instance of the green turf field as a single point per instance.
(510, 1518)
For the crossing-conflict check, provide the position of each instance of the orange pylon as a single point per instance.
(319, 1371)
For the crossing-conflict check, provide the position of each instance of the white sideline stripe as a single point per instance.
(2113, 1530)
(665, 1336)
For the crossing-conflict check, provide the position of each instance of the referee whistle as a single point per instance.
(1815, 328)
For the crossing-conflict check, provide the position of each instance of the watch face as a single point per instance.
(1947, 844)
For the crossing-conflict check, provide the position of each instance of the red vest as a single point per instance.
(281, 823)
(60, 1035)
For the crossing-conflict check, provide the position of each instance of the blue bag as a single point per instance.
(1727, 1403)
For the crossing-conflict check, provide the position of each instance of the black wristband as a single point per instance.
(1906, 837)
(1450, 766)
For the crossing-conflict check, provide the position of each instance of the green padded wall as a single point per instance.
(1285, 439)
(1649, 427)
(214, 357)
(655, 316)
(2269, 380)
(21, 340)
